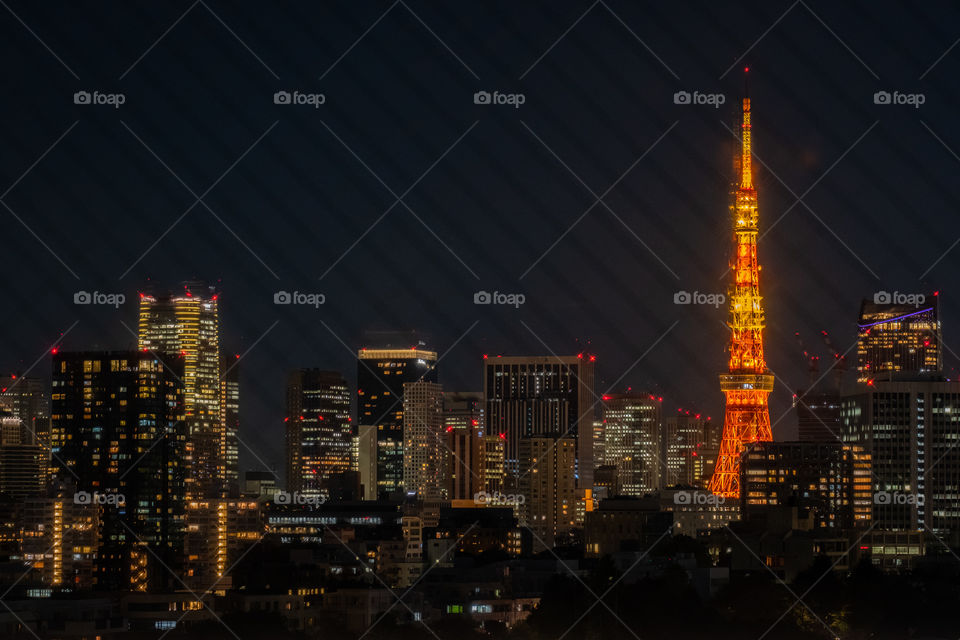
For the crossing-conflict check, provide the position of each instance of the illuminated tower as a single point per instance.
(747, 383)
(187, 324)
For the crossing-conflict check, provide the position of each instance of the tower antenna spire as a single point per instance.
(746, 139)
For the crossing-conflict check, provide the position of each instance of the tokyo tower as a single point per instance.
(747, 383)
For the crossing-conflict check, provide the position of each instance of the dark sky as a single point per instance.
(97, 211)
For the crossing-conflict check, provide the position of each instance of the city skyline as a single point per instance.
(500, 307)
(673, 199)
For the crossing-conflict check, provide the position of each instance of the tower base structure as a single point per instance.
(746, 420)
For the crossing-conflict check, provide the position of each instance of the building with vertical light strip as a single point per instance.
(59, 538)
(118, 428)
(911, 429)
(381, 374)
(187, 323)
(536, 396)
(318, 431)
(896, 338)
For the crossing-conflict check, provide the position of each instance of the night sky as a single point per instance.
(294, 197)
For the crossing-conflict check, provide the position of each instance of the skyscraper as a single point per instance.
(829, 479)
(23, 467)
(464, 425)
(533, 396)
(548, 487)
(117, 426)
(425, 452)
(228, 456)
(897, 338)
(188, 324)
(28, 399)
(691, 444)
(910, 428)
(318, 430)
(632, 441)
(381, 374)
(818, 415)
(747, 383)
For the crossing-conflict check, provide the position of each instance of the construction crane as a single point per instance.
(839, 365)
(812, 361)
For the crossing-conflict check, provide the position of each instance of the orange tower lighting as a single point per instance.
(747, 383)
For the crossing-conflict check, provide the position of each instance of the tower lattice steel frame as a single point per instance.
(748, 382)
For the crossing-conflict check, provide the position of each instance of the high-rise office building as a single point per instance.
(187, 324)
(464, 425)
(59, 538)
(910, 428)
(818, 415)
(828, 479)
(228, 457)
(540, 396)
(28, 399)
(425, 451)
(117, 427)
(691, 444)
(381, 374)
(632, 441)
(318, 431)
(219, 531)
(897, 338)
(548, 486)
(23, 467)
